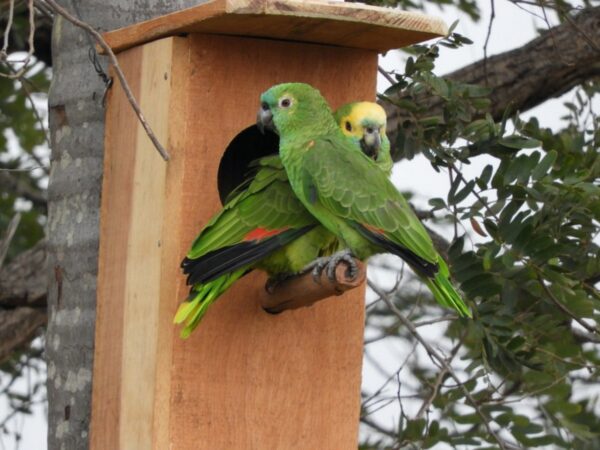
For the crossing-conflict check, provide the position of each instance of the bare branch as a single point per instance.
(564, 309)
(42, 36)
(11, 183)
(487, 40)
(9, 22)
(442, 375)
(18, 327)
(370, 423)
(23, 281)
(303, 290)
(10, 232)
(439, 359)
(387, 76)
(31, 47)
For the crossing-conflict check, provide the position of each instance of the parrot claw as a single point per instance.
(345, 256)
(316, 268)
(329, 264)
(271, 284)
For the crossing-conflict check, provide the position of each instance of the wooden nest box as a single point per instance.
(245, 379)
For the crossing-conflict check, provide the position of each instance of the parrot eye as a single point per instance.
(348, 126)
(369, 130)
(285, 102)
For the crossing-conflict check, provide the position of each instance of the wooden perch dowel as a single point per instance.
(304, 290)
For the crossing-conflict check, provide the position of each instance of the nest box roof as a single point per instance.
(336, 23)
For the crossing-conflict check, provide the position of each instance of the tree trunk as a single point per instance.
(77, 136)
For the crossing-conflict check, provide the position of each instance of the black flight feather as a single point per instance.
(420, 265)
(227, 259)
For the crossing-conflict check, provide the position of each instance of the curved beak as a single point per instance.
(371, 143)
(264, 118)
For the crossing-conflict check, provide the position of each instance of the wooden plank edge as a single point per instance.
(179, 22)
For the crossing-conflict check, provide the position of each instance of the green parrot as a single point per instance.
(346, 191)
(264, 226)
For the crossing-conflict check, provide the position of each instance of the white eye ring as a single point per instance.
(285, 102)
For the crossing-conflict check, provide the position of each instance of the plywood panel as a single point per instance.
(144, 251)
(119, 160)
(245, 379)
(335, 23)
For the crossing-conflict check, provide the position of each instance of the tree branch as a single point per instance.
(443, 364)
(42, 40)
(18, 327)
(23, 290)
(303, 290)
(548, 66)
(10, 232)
(23, 281)
(11, 183)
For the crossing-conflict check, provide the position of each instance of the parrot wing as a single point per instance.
(351, 186)
(255, 222)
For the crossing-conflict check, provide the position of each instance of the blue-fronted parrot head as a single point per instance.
(294, 107)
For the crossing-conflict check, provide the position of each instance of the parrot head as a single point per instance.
(294, 108)
(365, 124)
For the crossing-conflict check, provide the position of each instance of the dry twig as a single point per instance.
(31, 48)
(564, 309)
(10, 232)
(441, 361)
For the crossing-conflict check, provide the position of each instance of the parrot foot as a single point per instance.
(316, 268)
(275, 281)
(329, 264)
(345, 256)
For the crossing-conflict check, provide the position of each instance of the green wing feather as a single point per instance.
(349, 187)
(268, 202)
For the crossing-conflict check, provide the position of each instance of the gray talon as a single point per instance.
(316, 268)
(336, 258)
(329, 264)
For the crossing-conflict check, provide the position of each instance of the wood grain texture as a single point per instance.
(144, 251)
(342, 24)
(245, 379)
(115, 212)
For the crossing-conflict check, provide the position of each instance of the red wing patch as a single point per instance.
(373, 229)
(262, 233)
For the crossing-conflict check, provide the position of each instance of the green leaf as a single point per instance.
(463, 193)
(542, 168)
(486, 175)
(437, 203)
(518, 142)
(453, 26)
(414, 429)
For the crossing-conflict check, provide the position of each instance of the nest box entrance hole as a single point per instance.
(247, 146)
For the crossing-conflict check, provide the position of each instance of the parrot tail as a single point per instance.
(444, 293)
(436, 276)
(201, 297)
